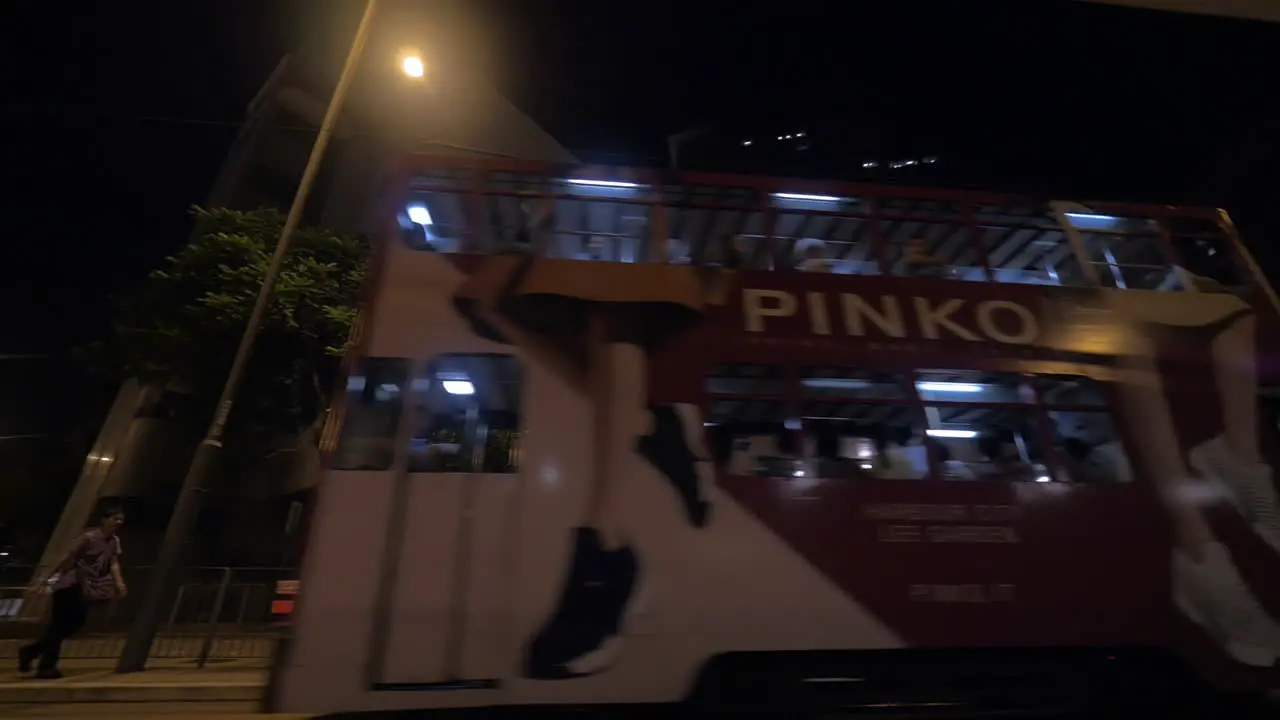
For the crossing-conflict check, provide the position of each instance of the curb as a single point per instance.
(51, 692)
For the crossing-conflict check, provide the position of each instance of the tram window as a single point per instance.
(1090, 447)
(760, 439)
(835, 382)
(745, 379)
(971, 386)
(375, 395)
(434, 222)
(858, 440)
(466, 415)
(1069, 390)
(987, 443)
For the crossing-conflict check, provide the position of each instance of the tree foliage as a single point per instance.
(182, 325)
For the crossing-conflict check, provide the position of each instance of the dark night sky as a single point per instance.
(104, 151)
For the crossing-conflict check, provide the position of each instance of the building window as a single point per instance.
(466, 415)
(374, 398)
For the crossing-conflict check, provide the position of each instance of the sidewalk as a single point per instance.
(239, 682)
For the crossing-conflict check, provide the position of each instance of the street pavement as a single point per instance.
(168, 688)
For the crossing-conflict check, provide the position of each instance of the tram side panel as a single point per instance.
(577, 580)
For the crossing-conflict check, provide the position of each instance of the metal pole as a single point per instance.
(214, 616)
(187, 510)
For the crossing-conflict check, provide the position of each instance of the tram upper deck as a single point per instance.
(760, 223)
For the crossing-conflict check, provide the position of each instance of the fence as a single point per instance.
(217, 613)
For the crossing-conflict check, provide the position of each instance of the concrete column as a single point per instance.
(98, 465)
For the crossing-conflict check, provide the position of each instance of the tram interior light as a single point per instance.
(419, 214)
(1091, 221)
(1091, 216)
(949, 387)
(602, 183)
(458, 387)
(835, 383)
(807, 198)
(960, 434)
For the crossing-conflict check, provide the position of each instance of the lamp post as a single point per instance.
(187, 510)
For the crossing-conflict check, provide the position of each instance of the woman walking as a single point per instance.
(88, 575)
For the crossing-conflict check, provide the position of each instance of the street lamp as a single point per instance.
(187, 509)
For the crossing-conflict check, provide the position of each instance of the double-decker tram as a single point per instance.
(620, 437)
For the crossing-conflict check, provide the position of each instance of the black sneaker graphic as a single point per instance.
(582, 635)
(668, 452)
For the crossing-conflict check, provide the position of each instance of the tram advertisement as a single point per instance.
(1175, 548)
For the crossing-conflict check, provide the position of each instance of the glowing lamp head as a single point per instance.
(413, 66)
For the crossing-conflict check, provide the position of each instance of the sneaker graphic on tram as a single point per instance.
(1211, 593)
(596, 337)
(603, 591)
(584, 634)
(1248, 484)
(672, 452)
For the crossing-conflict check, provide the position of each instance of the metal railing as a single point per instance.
(216, 614)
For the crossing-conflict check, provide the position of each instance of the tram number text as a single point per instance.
(969, 594)
(980, 534)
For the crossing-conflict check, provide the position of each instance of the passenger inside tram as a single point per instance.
(948, 466)
(1091, 447)
(1000, 454)
(811, 256)
(900, 453)
(920, 262)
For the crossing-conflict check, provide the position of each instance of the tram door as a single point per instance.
(454, 520)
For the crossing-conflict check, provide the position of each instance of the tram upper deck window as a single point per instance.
(1024, 244)
(435, 222)
(925, 238)
(1207, 255)
(466, 415)
(374, 398)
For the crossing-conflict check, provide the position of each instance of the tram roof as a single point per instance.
(1263, 10)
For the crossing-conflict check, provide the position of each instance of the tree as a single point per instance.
(182, 325)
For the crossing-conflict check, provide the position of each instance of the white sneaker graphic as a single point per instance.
(1248, 484)
(1212, 594)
